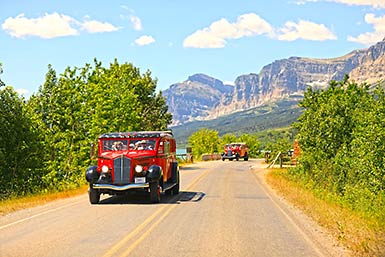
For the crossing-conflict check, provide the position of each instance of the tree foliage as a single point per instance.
(228, 138)
(20, 148)
(1, 72)
(70, 111)
(342, 139)
(204, 141)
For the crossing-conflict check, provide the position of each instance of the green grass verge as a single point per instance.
(363, 235)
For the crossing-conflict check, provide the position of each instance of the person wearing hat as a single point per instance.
(117, 146)
(140, 145)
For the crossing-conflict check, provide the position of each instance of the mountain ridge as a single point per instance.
(202, 97)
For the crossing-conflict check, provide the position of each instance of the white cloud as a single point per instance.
(218, 32)
(144, 40)
(302, 2)
(47, 26)
(51, 26)
(304, 30)
(371, 38)
(98, 27)
(373, 3)
(136, 22)
(125, 7)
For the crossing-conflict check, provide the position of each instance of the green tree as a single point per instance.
(20, 166)
(74, 109)
(341, 136)
(204, 141)
(2, 84)
(342, 140)
(228, 138)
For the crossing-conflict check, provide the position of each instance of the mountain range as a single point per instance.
(202, 97)
(267, 100)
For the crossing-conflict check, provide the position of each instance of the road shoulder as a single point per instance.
(317, 235)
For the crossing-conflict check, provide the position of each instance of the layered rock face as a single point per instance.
(195, 97)
(372, 68)
(203, 97)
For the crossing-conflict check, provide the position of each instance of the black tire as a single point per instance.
(246, 158)
(223, 159)
(237, 157)
(175, 189)
(154, 192)
(94, 195)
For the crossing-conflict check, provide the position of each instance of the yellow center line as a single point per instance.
(148, 231)
(114, 249)
(121, 243)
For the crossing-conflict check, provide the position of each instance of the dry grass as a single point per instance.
(12, 205)
(365, 237)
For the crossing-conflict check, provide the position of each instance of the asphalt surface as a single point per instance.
(223, 209)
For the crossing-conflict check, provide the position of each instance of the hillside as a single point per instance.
(269, 116)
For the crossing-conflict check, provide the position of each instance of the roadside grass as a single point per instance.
(363, 235)
(15, 204)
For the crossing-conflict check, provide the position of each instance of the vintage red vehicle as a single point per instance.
(134, 161)
(235, 151)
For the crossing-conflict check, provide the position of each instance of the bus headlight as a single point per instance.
(105, 168)
(138, 168)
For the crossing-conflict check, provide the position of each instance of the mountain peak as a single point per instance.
(204, 79)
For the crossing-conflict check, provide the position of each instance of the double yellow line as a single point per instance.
(159, 215)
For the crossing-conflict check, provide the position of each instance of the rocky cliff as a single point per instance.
(195, 97)
(203, 97)
(372, 66)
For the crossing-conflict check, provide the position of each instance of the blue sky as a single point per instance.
(176, 38)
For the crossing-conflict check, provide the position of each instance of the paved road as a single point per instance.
(222, 210)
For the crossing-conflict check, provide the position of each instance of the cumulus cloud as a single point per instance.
(217, 34)
(94, 26)
(304, 30)
(371, 38)
(144, 40)
(379, 4)
(247, 25)
(52, 26)
(47, 26)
